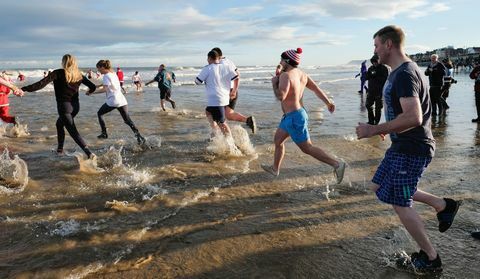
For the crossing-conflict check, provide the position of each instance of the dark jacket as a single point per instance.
(376, 76)
(64, 92)
(475, 74)
(435, 74)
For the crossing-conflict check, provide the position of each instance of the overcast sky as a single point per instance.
(180, 33)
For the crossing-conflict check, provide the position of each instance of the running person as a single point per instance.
(115, 100)
(408, 114)
(5, 88)
(164, 79)
(66, 82)
(217, 78)
(120, 79)
(230, 112)
(288, 88)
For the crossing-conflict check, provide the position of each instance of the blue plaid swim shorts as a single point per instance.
(398, 176)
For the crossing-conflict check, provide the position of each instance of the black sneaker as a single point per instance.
(251, 124)
(446, 216)
(421, 263)
(141, 140)
(103, 135)
(475, 120)
(174, 106)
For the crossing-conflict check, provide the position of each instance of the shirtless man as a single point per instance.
(288, 88)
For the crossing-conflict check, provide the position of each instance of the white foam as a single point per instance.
(66, 228)
(111, 159)
(242, 140)
(81, 272)
(86, 165)
(13, 131)
(350, 137)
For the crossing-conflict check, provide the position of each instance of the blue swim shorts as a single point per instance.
(295, 123)
(398, 176)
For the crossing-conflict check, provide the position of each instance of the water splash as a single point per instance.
(223, 146)
(13, 173)
(65, 228)
(86, 165)
(235, 145)
(111, 159)
(14, 131)
(351, 138)
(242, 140)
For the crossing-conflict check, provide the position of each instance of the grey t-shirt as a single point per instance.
(408, 81)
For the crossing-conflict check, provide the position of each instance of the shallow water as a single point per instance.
(184, 206)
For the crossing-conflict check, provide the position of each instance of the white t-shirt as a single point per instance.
(217, 79)
(115, 97)
(136, 77)
(230, 63)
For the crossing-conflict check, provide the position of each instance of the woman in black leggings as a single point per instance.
(66, 82)
(115, 100)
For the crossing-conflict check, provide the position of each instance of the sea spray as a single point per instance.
(242, 140)
(87, 165)
(13, 131)
(221, 145)
(110, 159)
(13, 173)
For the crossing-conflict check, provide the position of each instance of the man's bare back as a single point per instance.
(290, 86)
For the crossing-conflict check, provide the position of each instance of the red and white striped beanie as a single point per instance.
(292, 56)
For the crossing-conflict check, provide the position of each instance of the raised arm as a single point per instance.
(281, 86)
(312, 85)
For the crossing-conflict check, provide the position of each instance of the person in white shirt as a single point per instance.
(230, 112)
(217, 78)
(115, 100)
(137, 80)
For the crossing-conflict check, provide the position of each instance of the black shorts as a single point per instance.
(233, 103)
(136, 82)
(218, 113)
(165, 93)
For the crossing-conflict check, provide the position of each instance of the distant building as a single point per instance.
(459, 56)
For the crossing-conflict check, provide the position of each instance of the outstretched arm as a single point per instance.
(41, 83)
(17, 91)
(320, 94)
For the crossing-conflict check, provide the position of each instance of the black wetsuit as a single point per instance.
(435, 75)
(68, 105)
(376, 76)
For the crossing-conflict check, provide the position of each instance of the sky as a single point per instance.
(146, 33)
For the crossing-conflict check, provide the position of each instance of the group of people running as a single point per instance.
(409, 113)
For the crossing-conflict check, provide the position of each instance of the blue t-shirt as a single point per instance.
(408, 81)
